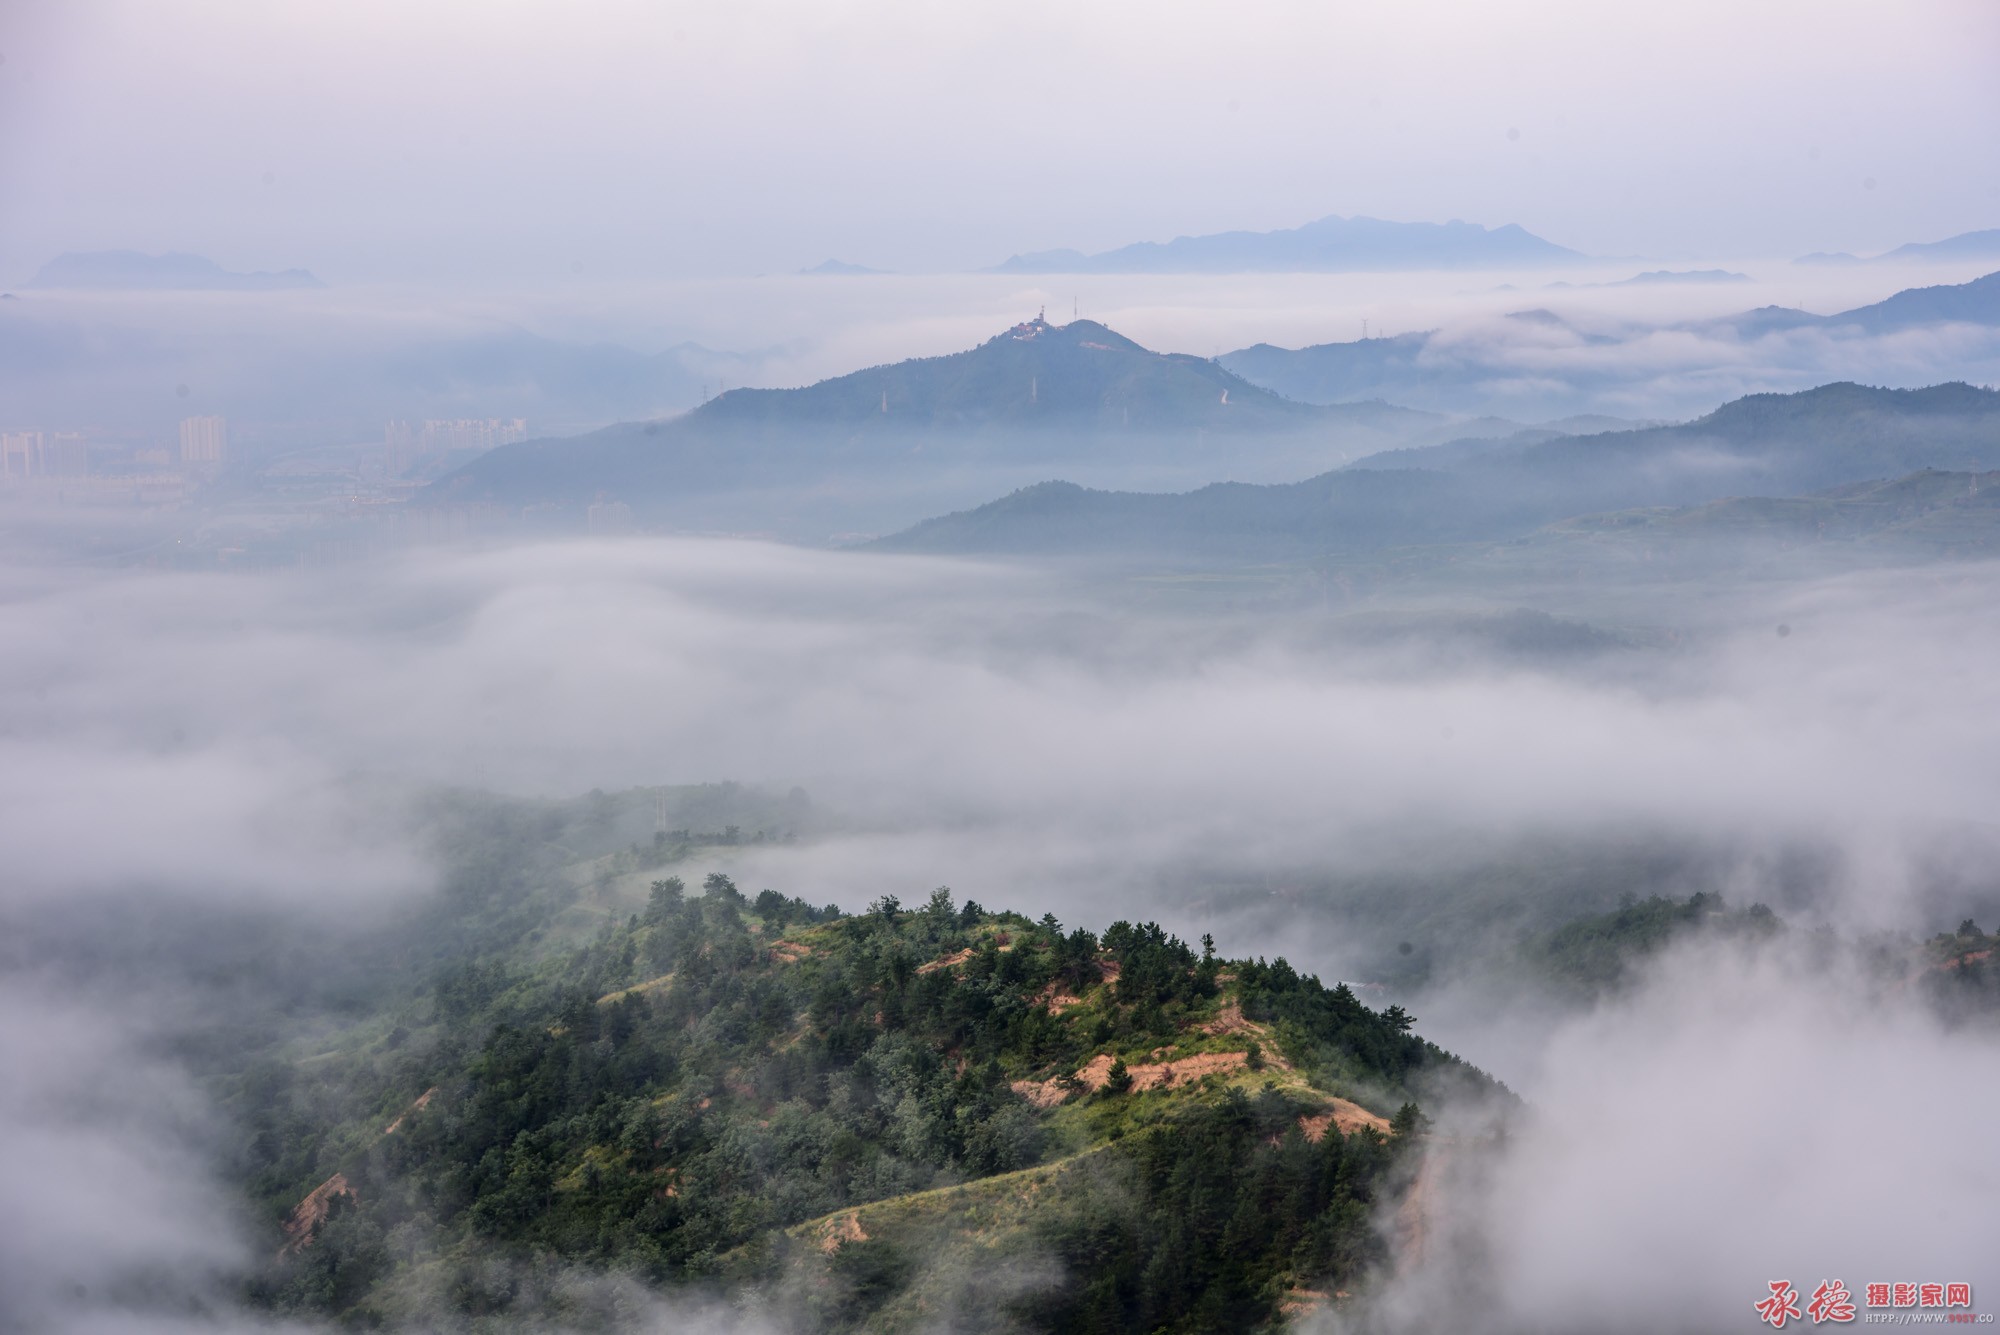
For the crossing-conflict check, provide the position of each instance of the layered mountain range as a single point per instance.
(1770, 445)
(1167, 452)
(1455, 373)
(1032, 397)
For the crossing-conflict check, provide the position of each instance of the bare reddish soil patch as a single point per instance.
(1352, 1117)
(840, 1230)
(1057, 998)
(951, 961)
(1300, 1302)
(311, 1212)
(423, 1101)
(1041, 1093)
(1230, 1020)
(1164, 1075)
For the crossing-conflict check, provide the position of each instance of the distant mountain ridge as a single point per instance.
(1330, 245)
(131, 270)
(1981, 245)
(1762, 445)
(839, 269)
(1404, 369)
(1976, 302)
(1034, 392)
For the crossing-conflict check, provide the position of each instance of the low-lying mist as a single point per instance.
(329, 366)
(1304, 782)
(249, 724)
(1742, 1115)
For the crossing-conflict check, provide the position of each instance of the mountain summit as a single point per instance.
(1029, 395)
(1033, 376)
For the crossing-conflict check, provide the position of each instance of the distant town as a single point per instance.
(210, 503)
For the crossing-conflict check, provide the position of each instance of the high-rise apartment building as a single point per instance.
(43, 454)
(204, 440)
(20, 454)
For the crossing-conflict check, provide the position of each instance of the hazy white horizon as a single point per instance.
(457, 144)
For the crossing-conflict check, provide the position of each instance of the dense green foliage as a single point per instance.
(1206, 1217)
(1596, 952)
(664, 1098)
(689, 1091)
(1962, 980)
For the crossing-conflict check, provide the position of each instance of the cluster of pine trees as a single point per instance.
(665, 1099)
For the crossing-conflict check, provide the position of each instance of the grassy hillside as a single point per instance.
(568, 1091)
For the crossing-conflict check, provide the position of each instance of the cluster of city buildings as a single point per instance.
(25, 454)
(407, 440)
(204, 441)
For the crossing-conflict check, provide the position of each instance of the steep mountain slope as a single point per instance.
(1332, 244)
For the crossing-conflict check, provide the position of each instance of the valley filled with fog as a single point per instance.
(1320, 785)
(999, 669)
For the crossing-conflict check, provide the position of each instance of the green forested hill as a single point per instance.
(567, 1091)
(758, 1094)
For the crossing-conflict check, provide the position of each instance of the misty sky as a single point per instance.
(460, 142)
